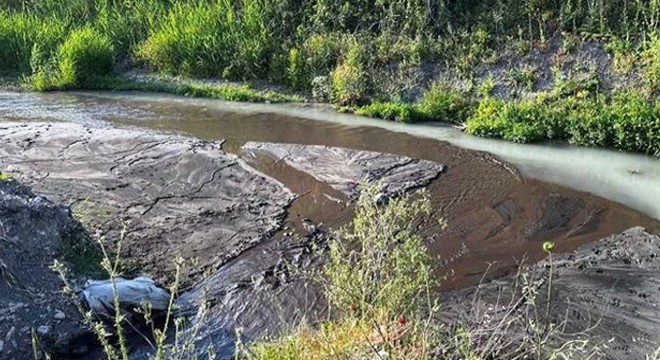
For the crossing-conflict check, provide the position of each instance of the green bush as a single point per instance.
(84, 56)
(221, 39)
(16, 40)
(350, 78)
(519, 121)
(316, 57)
(485, 120)
(651, 64)
(380, 263)
(400, 112)
(441, 103)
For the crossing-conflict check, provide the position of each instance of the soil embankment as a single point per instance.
(33, 231)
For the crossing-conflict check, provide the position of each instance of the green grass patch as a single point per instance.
(225, 91)
(81, 60)
(440, 103)
(400, 112)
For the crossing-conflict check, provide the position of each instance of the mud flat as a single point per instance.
(606, 292)
(166, 195)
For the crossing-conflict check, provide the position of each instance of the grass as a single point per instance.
(625, 121)
(360, 54)
(378, 280)
(222, 91)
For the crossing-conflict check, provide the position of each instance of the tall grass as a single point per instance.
(340, 51)
(378, 280)
(293, 42)
(220, 39)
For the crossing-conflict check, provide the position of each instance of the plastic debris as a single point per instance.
(99, 295)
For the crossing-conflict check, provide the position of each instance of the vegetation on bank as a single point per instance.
(625, 121)
(368, 55)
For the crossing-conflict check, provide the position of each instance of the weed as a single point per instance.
(487, 87)
(400, 112)
(185, 346)
(522, 77)
(442, 103)
(350, 79)
(377, 280)
(651, 64)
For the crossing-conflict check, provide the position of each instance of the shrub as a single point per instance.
(400, 112)
(572, 84)
(441, 103)
(651, 64)
(485, 120)
(16, 38)
(377, 280)
(522, 77)
(519, 121)
(350, 79)
(297, 74)
(84, 56)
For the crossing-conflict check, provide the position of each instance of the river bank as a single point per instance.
(569, 73)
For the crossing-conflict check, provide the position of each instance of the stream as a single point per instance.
(499, 201)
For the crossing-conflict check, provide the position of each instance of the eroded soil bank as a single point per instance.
(230, 194)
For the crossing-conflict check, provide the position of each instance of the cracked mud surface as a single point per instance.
(342, 168)
(175, 196)
(170, 196)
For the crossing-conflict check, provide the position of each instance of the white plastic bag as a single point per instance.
(132, 294)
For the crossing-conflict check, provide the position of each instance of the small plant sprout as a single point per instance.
(548, 247)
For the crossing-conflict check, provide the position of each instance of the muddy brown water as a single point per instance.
(494, 216)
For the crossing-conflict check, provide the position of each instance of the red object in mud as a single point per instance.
(403, 320)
